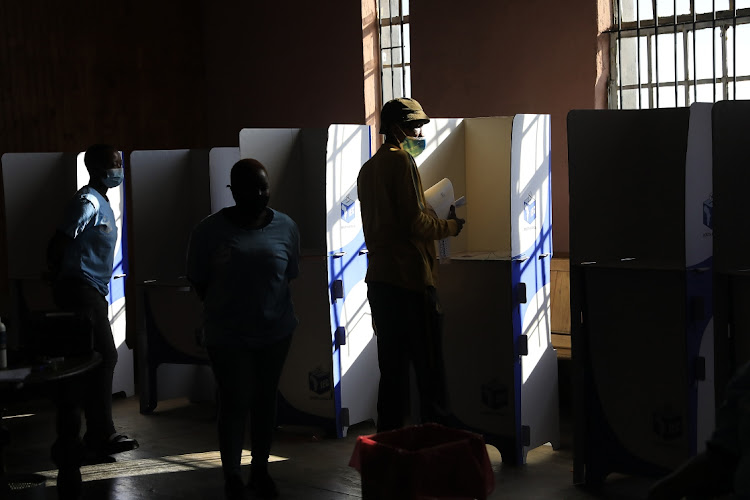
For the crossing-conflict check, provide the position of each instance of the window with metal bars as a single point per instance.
(395, 56)
(670, 53)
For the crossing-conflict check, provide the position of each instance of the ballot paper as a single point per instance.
(441, 197)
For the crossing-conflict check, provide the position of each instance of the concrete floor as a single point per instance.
(178, 459)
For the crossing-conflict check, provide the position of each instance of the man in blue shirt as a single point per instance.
(80, 257)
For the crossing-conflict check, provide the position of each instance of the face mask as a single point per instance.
(414, 145)
(113, 177)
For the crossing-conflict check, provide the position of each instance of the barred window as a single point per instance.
(670, 53)
(395, 56)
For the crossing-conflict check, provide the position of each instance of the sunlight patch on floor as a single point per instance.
(146, 466)
(25, 415)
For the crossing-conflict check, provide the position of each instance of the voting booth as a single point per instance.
(500, 367)
(37, 187)
(641, 231)
(330, 378)
(331, 374)
(170, 193)
(731, 181)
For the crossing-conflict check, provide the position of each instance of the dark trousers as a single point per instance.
(408, 325)
(248, 379)
(91, 391)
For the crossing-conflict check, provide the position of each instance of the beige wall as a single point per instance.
(497, 58)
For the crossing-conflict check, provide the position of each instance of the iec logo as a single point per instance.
(494, 394)
(319, 381)
(529, 210)
(708, 212)
(347, 209)
(667, 426)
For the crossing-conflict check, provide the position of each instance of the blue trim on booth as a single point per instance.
(351, 269)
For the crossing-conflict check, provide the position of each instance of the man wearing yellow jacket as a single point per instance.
(400, 232)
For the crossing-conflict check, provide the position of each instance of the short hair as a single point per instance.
(98, 156)
(242, 168)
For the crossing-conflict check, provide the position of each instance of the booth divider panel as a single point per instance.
(479, 345)
(529, 187)
(306, 381)
(698, 188)
(627, 185)
(635, 324)
(221, 161)
(312, 217)
(354, 355)
(170, 196)
(37, 187)
(488, 185)
(731, 180)
(445, 158)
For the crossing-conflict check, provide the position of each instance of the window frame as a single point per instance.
(686, 25)
(400, 20)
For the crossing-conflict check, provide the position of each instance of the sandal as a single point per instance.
(117, 443)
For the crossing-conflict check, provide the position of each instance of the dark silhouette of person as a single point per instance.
(240, 262)
(400, 230)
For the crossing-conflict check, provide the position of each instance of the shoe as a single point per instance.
(116, 443)
(261, 483)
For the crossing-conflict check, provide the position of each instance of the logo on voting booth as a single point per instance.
(529, 209)
(708, 212)
(667, 425)
(319, 381)
(494, 395)
(347, 209)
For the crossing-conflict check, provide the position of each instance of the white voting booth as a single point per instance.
(731, 180)
(331, 375)
(170, 193)
(501, 369)
(330, 378)
(37, 186)
(641, 284)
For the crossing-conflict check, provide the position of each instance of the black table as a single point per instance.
(19, 378)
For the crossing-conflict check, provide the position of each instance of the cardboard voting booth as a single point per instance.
(37, 188)
(170, 193)
(501, 369)
(331, 374)
(641, 259)
(330, 378)
(731, 181)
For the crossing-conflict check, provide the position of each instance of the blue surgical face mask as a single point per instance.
(113, 177)
(414, 145)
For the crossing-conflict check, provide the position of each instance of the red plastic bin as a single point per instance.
(421, 462)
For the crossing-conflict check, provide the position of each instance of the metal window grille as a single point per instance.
(395, 57)
(672, 53)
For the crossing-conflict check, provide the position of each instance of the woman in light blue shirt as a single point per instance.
(240, 262)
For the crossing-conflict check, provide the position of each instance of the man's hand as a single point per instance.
(461, 222)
